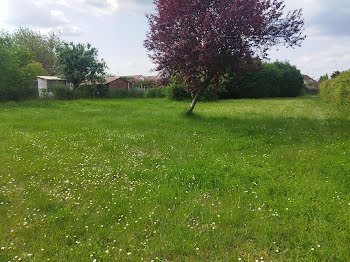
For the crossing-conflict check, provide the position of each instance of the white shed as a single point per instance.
(46, 81)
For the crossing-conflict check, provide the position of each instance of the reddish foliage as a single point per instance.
(201, 38)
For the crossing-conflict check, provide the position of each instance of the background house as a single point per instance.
(310, 82)
(135, 78)
(44, 82)
(311, 85)
(115, 83)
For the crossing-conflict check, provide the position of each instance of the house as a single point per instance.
(151, 78)
(135, 78)
(141, 81)
(311, 85)
(44, 82)
(115, 83)
(310, 82)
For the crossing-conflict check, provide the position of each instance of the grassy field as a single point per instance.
(137, 180)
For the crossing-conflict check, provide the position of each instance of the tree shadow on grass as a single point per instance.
(286, 130)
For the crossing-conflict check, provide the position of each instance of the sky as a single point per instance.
(118, 28)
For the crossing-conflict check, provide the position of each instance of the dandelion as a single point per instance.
(107, 251)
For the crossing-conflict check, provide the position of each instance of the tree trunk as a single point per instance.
(195, 100)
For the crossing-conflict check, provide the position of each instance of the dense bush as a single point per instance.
(125, 93)
(17, 72)
(177, 90)
(337, 90)
(156, 92)
(88, 92)
(271, 80)
(61, 92)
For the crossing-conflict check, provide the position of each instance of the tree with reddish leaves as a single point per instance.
(200, 39)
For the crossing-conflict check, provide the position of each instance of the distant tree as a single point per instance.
(323, 78)
(110, 75)
(79, 63)
(335, 74)
(41, 46)
(33, 70)
(200, 38)
(18, 70)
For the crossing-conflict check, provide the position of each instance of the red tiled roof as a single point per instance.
(108, 80)
(111, 79)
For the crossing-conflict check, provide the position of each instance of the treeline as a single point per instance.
(23, 56)
(278, 79)
(26, 54)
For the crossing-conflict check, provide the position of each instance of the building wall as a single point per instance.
(119, 84)
(42, 84)
(55, 83)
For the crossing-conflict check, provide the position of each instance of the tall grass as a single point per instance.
(138, 180)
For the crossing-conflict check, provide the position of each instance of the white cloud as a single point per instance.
(58, 17)
(94, 7)
(41, 16)
(69, 30)
(3, 10)
(336, 57)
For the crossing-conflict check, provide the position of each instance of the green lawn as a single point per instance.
(137, 180)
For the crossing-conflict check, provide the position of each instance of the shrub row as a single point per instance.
(271, 80)
(177, 90)
(62, 92)
(337, 90)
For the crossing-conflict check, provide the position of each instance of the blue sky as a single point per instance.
(118, 28)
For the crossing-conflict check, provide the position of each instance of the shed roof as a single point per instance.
(50, 78)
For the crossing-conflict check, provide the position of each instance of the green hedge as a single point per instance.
(337, 90)
(276, 79)
(156, 92)
(177, 90)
